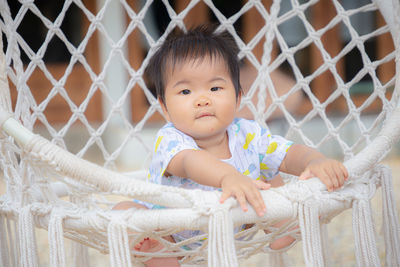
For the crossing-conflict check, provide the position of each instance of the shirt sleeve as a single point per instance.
(168, 143)
(272, 151)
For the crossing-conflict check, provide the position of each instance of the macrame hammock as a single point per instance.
(48, 187)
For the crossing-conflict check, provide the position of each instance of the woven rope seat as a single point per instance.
(51, 184)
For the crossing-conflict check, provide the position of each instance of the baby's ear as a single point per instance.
(239, 99)
(164, 109)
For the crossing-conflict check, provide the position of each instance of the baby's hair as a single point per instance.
(196, 43)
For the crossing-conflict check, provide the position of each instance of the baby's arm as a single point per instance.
(204, 168)
(307, 163)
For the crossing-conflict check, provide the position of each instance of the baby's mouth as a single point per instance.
(204, 115)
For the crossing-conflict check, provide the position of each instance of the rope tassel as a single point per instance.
(310, 233)
(118, 244)
(4, 251)
(221, 247)
(26, 232)
(364, 234)
(390, 219)
(56, 240)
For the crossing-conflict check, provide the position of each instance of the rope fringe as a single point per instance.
(221, 247)
(56, 239)
(4, 250)
(390, 219)
(310, 233)
(26, 232)
(364, 234)
(14, 243)
(118, 244)
(325, 244)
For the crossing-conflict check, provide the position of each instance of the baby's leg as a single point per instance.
(147, 244)
(286, 240)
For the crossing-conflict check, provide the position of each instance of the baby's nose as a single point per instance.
(203, 101)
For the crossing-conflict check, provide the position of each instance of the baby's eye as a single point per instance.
(185, 92)
(213, 89)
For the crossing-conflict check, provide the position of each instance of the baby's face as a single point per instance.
(200, 98)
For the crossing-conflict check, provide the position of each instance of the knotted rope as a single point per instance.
(26, 232)
(221, 246)
(363, 227)
(4, 256)
(56, 239)
(364, 234)
(310, 233)
(390, 218)
(118, 243)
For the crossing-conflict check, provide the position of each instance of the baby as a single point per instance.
(203, 145)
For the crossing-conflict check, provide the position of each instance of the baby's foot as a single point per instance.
(282, 242)
(152, 245)
(148, 245)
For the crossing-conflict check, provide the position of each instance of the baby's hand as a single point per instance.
(244, 188)
(331, 172)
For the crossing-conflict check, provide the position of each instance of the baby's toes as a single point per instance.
(138, 246)
(149, 245)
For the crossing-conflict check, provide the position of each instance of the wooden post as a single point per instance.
(77, 84)
(92, 55)
(197, 15)
(139, 103)
(323, 85)
(384, 46)
(252, 23)
(135, 56)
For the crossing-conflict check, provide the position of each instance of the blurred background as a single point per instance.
(106, 93)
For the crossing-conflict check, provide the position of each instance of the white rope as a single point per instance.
(221, 243)
(56, 239)
(5, 99)
(390, 219)
(118, 243)
(325, 245)
(221, 246)
(4, 250)
(14, 243)
(264, 73)
(364, 234)
(310, 233)
(104, 180)
(26, 232)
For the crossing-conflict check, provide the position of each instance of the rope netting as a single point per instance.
(322, 73)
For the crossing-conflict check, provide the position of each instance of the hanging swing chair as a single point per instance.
(49, 184)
